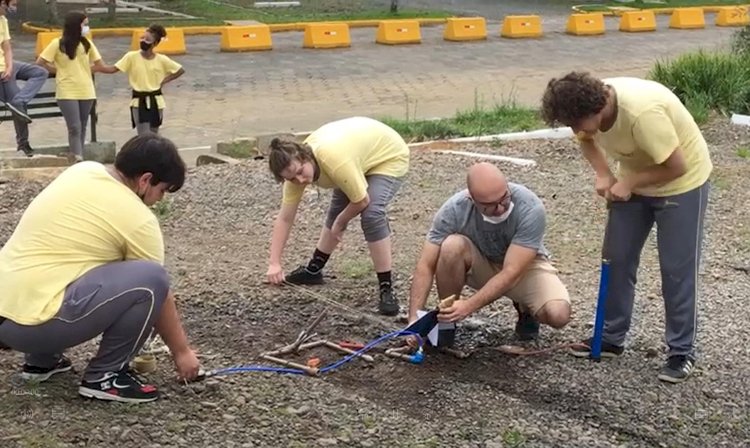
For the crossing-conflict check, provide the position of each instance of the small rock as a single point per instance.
(652, 352)
(327, 442)
(209, 404)
(229, 417)
(302, 410)
(652, 296)
(240, 400)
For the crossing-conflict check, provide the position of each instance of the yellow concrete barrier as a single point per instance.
(395, 32)
(173, 44)
(465, 28)
(44, 38)
(585, 24)
(732, 16)
(326, 35)
(246, 38)
(687, 19)
(521, 26)
(638, 21)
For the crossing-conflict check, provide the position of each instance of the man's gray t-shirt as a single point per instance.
(524, 227)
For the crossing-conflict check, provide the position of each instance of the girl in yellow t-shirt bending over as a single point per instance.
(364, 162)
(147, 73)
(70, 58)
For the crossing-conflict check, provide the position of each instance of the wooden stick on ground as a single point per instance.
(290, 348)
(309, 370)
(341, 349)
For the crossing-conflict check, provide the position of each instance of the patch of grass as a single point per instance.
(503, 117)
(707, 81)
(514, 438)
(38, 439)
(744, 152)
(357, 268)
(640, 4)
(162, 209)
(216, 12)
(719, 180)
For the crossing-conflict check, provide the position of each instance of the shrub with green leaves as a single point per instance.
(707, 81)
(741, 42)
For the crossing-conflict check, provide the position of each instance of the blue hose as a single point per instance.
(250, 368)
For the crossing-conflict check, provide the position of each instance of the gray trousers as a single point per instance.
(76, 114)
(374, 218)
(679, 220)
(35, 77)
(142, 128)
(119, 301)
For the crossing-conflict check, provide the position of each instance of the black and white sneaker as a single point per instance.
(18, 113)
(123, 386)
(304, 276)
(608, 350)
(677, 369)
(39, 374)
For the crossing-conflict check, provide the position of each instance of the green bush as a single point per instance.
(741, 42)
(707, 81)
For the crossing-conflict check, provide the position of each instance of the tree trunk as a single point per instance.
(394, 6)
(54, 17)
(111, 10)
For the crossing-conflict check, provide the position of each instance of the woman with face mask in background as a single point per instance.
(70, 58)
(148, 72)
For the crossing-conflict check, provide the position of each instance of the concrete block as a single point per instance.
(241, 148)
(210, 159)
(31, 174)
(34, 162)
(102, 152)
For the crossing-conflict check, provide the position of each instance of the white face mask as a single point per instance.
(498, 219)
(85, 30)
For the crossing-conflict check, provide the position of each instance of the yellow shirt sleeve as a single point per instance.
(49, 53)
(146, 243)
(655, 134)
(292, 193)
(170, 66)
(94, 53)
(5, 31)
(124, 63)
(348, 177)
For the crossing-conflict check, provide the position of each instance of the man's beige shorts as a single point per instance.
(539, 286)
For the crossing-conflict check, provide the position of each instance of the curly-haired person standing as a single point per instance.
(662, 178)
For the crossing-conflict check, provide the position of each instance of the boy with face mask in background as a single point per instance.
(489, 237)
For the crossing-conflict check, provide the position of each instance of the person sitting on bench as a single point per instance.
(15, 99)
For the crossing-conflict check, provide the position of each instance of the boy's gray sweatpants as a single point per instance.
(679, 220)
(119, 300)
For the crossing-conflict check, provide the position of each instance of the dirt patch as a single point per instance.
(217, 232)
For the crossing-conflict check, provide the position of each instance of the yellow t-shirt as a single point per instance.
(73, 79)
(651, 123)
(146, 75)
(83, 219)
(348, 150)
(4, 35)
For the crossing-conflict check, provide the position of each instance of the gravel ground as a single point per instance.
(217, 230)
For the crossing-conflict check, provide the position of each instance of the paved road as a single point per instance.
(225, 95)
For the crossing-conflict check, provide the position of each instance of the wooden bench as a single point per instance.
(44, 105)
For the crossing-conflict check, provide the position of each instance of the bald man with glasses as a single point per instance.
(489, 236)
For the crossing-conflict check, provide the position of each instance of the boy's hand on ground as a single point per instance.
(187, 365)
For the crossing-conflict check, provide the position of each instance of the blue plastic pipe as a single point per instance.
(596, 342)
